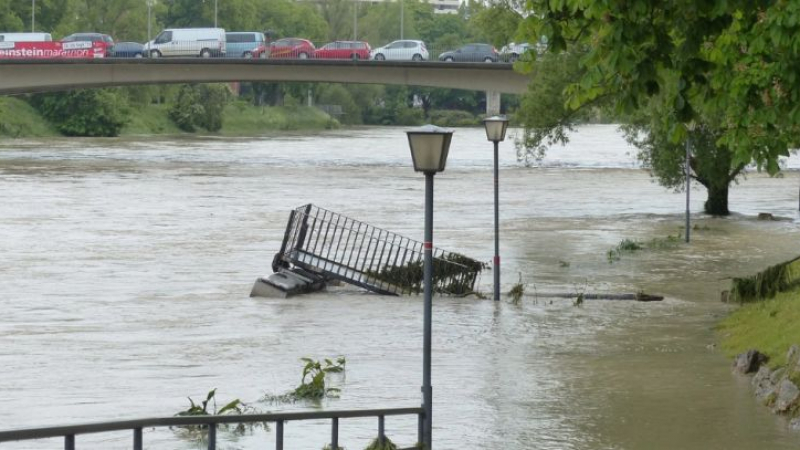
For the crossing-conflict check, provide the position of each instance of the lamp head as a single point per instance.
(429, 148)
(496, 127)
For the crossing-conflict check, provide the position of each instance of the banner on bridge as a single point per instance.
(52, 50)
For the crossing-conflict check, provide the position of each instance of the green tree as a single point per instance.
(9, 19)
(200, 106)
(711, 164)
(84, 112)
(735, 57)
(727, 65)
(497, 24)
(338, 14)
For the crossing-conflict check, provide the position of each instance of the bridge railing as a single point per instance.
(136, 426)
(337, 50)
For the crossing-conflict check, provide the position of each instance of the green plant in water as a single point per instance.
(579, 299)
(764, 285)
(328, 447)
(630, 246)
(517, 291)
(194, 409)
(386, 445)
(313, 385)
(208, 407)
(563, 264)
(666, 243)
(452, 274)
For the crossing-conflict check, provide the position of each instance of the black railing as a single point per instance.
(355, 252)
(69, 432)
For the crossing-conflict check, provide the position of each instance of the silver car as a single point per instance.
(402, 50)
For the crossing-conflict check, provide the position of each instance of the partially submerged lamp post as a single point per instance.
(429, 148)
(496, 127)
(687, 172)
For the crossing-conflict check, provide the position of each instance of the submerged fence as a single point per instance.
(355, 252)
(69, 433)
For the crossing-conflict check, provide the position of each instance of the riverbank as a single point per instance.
(763, 337)
(771, 326)
(18, 119)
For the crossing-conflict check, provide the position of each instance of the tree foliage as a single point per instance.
(733, 59)
(199, 106)
(85, 112)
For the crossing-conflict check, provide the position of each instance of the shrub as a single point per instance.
(84, 112)
(453, 118)
(199, 106)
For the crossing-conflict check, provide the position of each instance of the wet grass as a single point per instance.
(628, 246)
(242, 118)
(771, 326)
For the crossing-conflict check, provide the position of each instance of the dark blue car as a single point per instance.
(127, 50)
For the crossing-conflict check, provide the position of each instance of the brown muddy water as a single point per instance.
(126, 267)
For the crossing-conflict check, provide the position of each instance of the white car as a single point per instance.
(203, 42)
(513, 52)
(402, 50)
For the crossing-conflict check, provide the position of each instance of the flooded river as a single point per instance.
(127, 264)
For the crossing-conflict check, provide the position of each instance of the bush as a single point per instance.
(200, 106)
(84, 112)
(453, 118)
(408, 116)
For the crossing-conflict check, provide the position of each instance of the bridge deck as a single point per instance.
(25, 76)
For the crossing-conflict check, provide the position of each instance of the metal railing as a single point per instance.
(69, 432)
(355, 252)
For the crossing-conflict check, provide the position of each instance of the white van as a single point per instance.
(25, 37)
(203, 42)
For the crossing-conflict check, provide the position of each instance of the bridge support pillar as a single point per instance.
(492, 103)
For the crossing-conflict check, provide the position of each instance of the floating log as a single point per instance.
(639, 296)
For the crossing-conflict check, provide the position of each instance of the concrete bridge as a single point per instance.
(26, 76)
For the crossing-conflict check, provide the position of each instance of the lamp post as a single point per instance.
(496, 127)
(429, 148)
(33, 16)
(401, 18)
(215, 13)
(687, 174)
(149, 20)
(355, 20)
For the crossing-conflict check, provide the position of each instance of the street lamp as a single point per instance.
(496, 127)
(687, 173)
(401, 18)
(33, 16)
(429, 148)
(149, 20)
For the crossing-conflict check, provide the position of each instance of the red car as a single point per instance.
(344, 50)
(286, 48)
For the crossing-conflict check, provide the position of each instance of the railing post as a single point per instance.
(420, 427)
(137, 439)
(279, 435)
(212, 436)
(69, 442)
(335, 433)
(381, 432)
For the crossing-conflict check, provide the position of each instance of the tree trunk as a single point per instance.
(717, 202)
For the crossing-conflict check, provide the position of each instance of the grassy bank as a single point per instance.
(244, 119)
(771, 326)
(19, 119)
